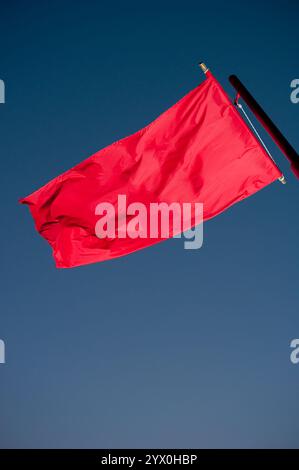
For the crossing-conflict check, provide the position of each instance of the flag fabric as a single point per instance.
(199, 150)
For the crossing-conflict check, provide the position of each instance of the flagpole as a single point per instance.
(267, 123)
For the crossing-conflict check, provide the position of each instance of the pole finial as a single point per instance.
(203, 67)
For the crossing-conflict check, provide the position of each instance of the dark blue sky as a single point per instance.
(166, 347)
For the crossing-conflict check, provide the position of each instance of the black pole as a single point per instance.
(267, 123)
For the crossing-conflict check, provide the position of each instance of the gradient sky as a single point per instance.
(166, 347)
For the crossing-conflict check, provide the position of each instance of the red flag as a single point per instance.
(199, 150)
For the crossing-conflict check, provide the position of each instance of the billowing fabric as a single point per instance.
(199, 150)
